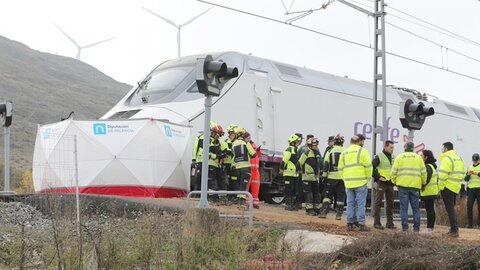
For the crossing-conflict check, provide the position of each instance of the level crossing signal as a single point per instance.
(413, 115)
(211, 75)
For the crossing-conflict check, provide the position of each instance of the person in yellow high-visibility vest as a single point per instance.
(242, 153)
(334, 186)
(450, 177)
(410, 176)
(311, 167)
(231, 178)
(473, 178)
(290, 168)
(382, 168)
(355, 168)
(430, 192)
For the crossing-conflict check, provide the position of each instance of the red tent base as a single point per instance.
(130, 191)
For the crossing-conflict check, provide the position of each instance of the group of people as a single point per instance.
(233, 163)
(347, 171)
(325, 183)
(341, 172)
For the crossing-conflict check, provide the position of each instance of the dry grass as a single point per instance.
(398, 252)
(132, 239)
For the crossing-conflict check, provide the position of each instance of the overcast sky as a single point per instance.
(143, 41)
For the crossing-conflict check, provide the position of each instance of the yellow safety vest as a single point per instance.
(409, 171)
(198, 152)
(290, 161)
(355, 166)
(331, 162)
(309, 163)
(474, 181)
(431, 189)
(385, 167)
(229, 158)
(451, 172)
(242, 152)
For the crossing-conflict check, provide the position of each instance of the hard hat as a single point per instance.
(293, 138)
(239, 131)
(231, 128)
(312, 141)
(339, 139)
(475, 157)
(212, 125)
(218, 130)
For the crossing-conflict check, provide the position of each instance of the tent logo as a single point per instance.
(47, 133)
(99, 129)
(168, 131)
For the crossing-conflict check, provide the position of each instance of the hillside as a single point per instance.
(44, 87)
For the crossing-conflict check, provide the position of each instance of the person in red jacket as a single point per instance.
(254, 183)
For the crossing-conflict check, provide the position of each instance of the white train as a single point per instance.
(273, 100)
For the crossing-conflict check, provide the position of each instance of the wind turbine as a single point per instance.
(82, 47)
(178, 26)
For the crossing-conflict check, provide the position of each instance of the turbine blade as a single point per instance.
(194, 18)
(71, 39)
(96, 43)
(163, 18)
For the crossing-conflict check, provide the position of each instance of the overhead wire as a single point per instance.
(433, 42)
(438, 29)
(339, 38)
(436, 26)
(442, 47)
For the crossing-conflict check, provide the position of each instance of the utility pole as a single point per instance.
(6, 111)
(379, 75)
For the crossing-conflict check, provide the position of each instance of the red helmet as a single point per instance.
(217, 129)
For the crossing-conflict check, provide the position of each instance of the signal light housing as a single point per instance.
(6, 110)
(211, 75)
(413, 115)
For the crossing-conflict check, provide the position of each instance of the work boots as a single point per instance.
(324, 210)
(289, 204)
(363, 228)
(339, 211)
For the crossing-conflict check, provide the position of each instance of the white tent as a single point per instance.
(129, 157)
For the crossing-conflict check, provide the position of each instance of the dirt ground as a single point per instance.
(275, 214)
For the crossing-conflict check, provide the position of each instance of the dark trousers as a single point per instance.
(299, 190)
(231, 177)
(212, 178)
(384, 189)
(290, 189)
(429, 202)
(221, 178)
(334, 187)
(243, 176)
(448, 197)
(473, 194)
(311, 194)
(197, 183)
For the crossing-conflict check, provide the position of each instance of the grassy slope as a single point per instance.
(44, 86)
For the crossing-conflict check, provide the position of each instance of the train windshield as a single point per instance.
(174, 81)
(166, 85)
